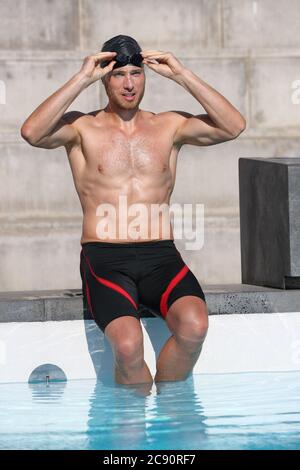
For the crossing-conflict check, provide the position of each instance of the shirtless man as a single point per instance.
(122, 150)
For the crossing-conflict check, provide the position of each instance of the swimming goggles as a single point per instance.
(122, 60)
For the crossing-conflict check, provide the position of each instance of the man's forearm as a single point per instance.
(221, 112)
(45, 117)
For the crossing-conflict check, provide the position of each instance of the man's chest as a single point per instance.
(145, 150)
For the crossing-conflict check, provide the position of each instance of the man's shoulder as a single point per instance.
(162, 114)
(79, 119)
(79, 115)
(174, 115)
(72, 115)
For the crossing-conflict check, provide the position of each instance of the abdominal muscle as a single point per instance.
(127, 209)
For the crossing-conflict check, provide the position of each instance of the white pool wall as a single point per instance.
(235, 343)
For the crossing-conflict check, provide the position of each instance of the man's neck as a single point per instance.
(124, 118)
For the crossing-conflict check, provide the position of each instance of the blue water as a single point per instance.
(209, 411)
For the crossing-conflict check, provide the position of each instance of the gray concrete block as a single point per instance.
(64, 308)
(29, 82)
(239, 299)
(272, 92)
(40, 294)
(294, 220)
(182, 27)
(13, 310)
(42, 24)
(269, 218)
(261, 24)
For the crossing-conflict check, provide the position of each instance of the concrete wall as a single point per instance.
(248, 50)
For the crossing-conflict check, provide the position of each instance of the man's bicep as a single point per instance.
(198, 130)
(64, 132)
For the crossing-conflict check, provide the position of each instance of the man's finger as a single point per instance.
(151, 60)
(146, 53)
(104, 54)
(152, 56)
(109, 66)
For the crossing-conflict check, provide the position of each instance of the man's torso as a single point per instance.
(139, 166)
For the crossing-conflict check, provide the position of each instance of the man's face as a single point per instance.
(124, 81)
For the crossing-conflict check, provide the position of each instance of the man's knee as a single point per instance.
(189, 322)
(126, 338)
(129, 351)
(192, 330)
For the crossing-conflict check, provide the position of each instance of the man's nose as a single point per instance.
(128, 83)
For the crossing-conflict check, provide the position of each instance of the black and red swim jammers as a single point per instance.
(124, 278)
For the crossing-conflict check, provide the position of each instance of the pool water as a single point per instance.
(209, 411)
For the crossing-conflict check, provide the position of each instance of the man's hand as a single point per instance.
(164, 63)
(90, 68)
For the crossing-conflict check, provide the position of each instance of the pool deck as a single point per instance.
(66, 304)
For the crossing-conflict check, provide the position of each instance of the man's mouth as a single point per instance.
(128, 96)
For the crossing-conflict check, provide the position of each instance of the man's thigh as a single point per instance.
(108, 293)
(167, 283)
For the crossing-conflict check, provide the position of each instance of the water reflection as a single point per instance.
(117, 418)
(177, 419)
(48, 392)
(169, 416)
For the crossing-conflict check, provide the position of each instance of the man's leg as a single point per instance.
(187, 319)
(125, 335)
(112, 299)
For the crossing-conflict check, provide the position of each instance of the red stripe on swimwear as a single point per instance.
(173, 283)
(88, 295)
(110, 284)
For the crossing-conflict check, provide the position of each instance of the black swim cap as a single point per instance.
(128, 51)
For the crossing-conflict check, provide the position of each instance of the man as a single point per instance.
(123, 151)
